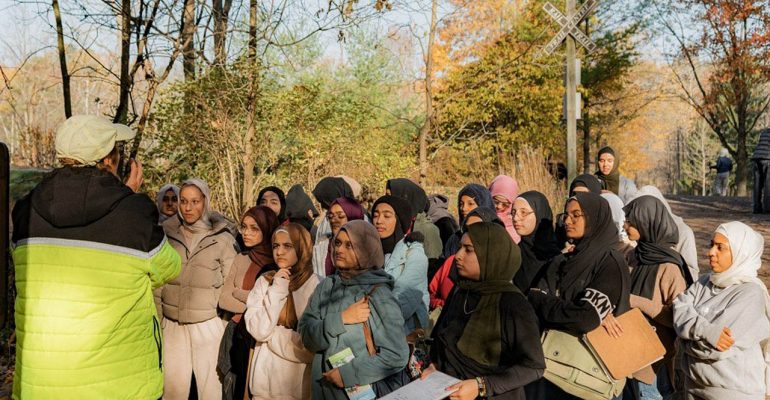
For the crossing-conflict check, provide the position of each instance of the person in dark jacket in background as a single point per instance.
(495, 347)
(300, 208)
(723, 167)
(273, 198)
(761, 159)
(438, 212)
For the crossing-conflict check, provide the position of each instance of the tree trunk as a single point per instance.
(121, 114)
(221, 13)
(251, 126)
(253, 31)
(188, 40)
(427, 127)
(65, 76)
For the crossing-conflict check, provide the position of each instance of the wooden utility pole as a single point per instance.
(571, 33)
(571, 88)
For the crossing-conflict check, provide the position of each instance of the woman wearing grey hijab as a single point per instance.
(357, 297)
(192, 330)
(167, 201)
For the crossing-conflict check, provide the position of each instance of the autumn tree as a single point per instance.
(723, 49)
(606, 75)
(507, 98)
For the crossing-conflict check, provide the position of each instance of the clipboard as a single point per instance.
(635, 349)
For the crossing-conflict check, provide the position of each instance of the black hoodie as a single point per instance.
(85, 203)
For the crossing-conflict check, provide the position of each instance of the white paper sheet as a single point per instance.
(432, 388)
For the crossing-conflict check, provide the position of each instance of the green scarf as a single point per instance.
(610, 181)
(499, 260)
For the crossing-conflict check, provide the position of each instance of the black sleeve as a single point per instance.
(445, 229)
(20, 219)
(521, 343)
(586, 312)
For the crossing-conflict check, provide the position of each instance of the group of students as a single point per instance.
(296, 291)
(289, 304)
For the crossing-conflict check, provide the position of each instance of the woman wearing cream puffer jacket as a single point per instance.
(192, 330)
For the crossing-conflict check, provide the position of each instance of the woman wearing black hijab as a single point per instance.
(331, 188)
(273, 198)
(657, 274)
(418, 200)
(533, 221)
(609, 174)
(300, 208)
(470, 197)
(581, 289)
(487, 334)
(585, 183)
(405, 259)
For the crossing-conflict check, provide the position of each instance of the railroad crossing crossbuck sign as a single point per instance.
(570, 27)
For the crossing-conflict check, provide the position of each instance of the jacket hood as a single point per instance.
(77, 196)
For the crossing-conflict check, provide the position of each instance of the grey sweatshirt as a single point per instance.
(700, 313)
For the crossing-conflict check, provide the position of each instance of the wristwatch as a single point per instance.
(482, 386)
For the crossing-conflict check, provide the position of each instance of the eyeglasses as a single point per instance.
(521, 213)
(502, 203)
(574, 216)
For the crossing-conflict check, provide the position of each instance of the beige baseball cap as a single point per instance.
(89, 138)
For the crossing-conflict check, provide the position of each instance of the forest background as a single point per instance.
(251, 93)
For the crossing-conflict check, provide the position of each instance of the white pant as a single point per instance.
(188, 349)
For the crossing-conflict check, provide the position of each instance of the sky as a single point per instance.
(29, 29)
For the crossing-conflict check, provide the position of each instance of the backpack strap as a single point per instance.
(370, 347)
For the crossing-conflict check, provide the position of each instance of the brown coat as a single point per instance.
(193, 296)
(233, 296)
(669, 283)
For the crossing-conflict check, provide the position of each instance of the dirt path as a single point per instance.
(704, 214)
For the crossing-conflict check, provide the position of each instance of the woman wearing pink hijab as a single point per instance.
(504, 191)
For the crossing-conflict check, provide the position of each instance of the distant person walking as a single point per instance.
(761, 159)
(723, 166)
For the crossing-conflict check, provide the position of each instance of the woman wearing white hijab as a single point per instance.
(618, 215)
(724, 321)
